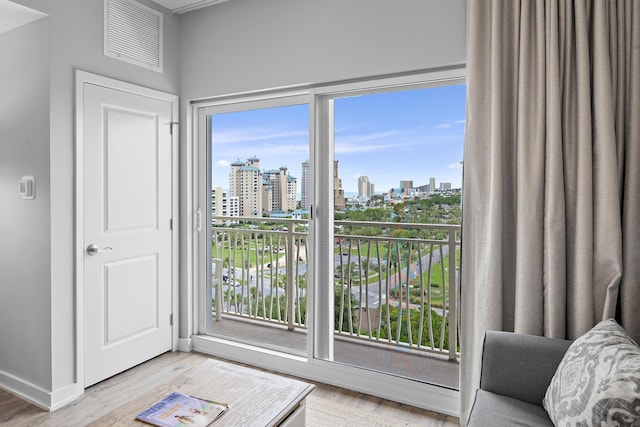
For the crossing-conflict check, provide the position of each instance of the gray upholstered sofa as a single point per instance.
(516, 372)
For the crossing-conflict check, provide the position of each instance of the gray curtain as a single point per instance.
(551, 204)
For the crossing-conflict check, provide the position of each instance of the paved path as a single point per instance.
(401, 277)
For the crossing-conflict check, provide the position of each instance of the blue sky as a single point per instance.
(389, 137)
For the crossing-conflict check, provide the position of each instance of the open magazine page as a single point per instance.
(178, 409)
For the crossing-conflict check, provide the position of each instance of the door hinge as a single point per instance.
(171, 319)
(171, 125)
(171, 224)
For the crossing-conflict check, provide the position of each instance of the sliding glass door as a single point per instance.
(329, 240)
(259, 151)
(396, 189)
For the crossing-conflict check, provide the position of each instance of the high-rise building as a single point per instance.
(406, 185)
(292, 190)
(245, 183)
(364, 187)
(267, 196)
(273, 180)
(445, 186)
(304, 186)
(223, 205)
(422, 189)
(432, 185)
(338, 192)
(283, 188)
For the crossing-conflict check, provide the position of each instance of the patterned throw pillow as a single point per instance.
(598, 381)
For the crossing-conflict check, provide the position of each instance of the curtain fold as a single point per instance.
(551, 198)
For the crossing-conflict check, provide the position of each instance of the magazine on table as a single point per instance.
(178, 409)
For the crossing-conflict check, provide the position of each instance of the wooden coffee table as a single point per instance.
(255, 397)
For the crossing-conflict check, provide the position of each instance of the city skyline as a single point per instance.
(390, 137)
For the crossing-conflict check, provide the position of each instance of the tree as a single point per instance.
(276, 309)
(345, 301)
(414, 322)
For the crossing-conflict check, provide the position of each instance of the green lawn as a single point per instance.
(235, 256)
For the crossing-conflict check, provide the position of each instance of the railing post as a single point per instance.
(453, 296)
(291, 260)
(217, 282)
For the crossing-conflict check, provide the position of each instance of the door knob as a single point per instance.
(93, 249)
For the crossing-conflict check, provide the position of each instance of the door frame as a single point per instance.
(313, 366)
(82, 78)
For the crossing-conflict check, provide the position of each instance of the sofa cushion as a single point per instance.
(598, 380)
(520, 366)
(496, 410)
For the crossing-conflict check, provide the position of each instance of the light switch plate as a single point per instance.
(27, 187)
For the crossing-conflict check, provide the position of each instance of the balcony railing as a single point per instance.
(394, 283)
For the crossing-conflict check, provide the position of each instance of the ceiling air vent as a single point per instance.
(133, 33)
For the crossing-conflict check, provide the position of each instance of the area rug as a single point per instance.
(328, 413)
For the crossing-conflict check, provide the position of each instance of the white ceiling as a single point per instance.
(13, 15)
(182, 6)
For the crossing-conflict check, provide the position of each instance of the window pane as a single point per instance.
(397, 192)
(259, 230)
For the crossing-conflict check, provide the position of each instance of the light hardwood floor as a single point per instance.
(99, 400)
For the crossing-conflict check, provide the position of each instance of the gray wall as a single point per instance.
(76, 42)
(24, 224)
(234, 46)
(245, 45)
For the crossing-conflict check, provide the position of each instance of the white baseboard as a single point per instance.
(25, 390)
(185, 344)
(38, 396)
(65, 395)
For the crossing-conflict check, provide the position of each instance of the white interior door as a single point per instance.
(127, 198)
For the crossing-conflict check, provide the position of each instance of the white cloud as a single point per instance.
(285, 149)
(354, 139)
(366, 143)
(455, 166)
(351, 148)
(223, 163)
(249, 135)
(450, 124)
